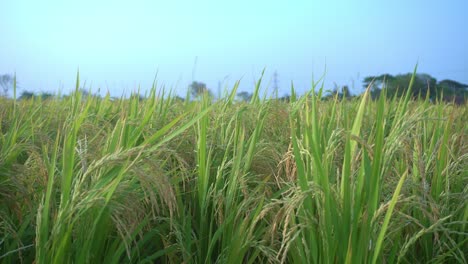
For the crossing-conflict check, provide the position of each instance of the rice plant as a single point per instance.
(85, 179)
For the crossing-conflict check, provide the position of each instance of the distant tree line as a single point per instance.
(395, 85)
(424, 85)
(29, 95)
(340, 92)
(197, 89)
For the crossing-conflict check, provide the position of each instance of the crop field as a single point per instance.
(85, 179)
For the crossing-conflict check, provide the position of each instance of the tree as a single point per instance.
(178, 99)
(453, 86)
(342, 92)
(398, 85)
(244, 96)
(46, 96)
(26, 95)
(285, 98)
(6, 82)
(423, 84)
(198, 88)
(453, 91)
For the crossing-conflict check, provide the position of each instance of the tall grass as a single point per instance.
(86, 179)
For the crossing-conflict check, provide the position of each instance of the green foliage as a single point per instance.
(341, 93)
(6, 83)
(245, 96)
(85, 179)
(198, 89)
(26, 95)
(424, 85)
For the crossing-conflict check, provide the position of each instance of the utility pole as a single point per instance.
(220, 83)
(275, 84)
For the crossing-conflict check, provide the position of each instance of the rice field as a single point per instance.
(85, 179)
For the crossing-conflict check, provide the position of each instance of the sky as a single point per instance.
(118, 46)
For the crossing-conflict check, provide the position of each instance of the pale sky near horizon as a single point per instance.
(118, 45)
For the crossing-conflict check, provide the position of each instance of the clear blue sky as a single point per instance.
(119, 45)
